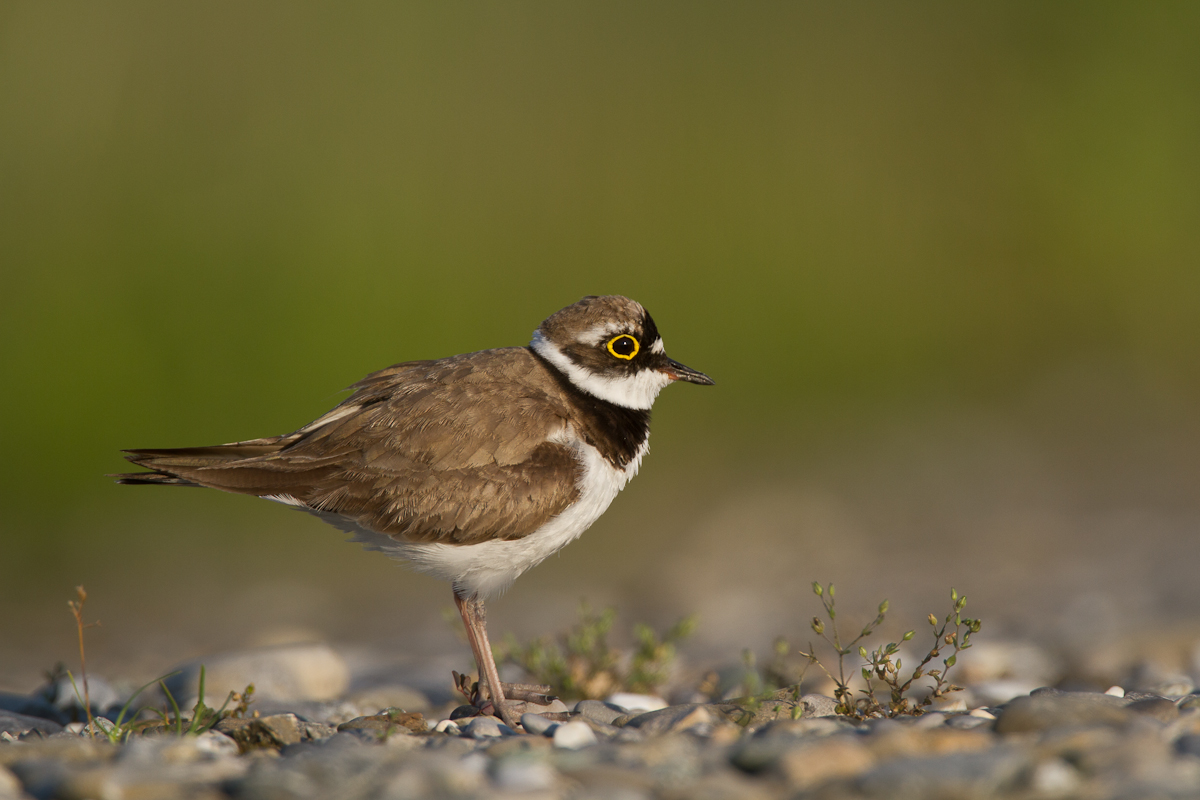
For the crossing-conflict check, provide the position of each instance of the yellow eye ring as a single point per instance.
(623, 346)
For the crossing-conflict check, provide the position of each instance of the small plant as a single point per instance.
(882, 667)
(76, 607)
(203, 718)
(119, 730)
(580, 663)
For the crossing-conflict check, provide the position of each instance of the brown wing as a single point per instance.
(452, 451)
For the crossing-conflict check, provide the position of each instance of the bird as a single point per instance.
(471, 468)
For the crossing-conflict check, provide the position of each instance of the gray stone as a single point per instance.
(1045, 710)
(523, 775)
(1190, 703)
(537, 724)
(17, 724)
(316, 731)
(1188, 744)
(574, 735)
(31, 706)
(278, 730)
(329, 713)
(1055, 778)
(673, 718)
(555, 706)
(960, 775)
(1153, 679)
(1159, 708)
(68, 697)
(10, 787)
(486, 728)
(966, 722)
(818, 705)
(290, 672)
(402, 722)
(637, 703)
(397, 695)
(600, 712)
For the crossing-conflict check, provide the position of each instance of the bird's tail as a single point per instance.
(219, 466)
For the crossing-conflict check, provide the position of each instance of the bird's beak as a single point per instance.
(678, 372)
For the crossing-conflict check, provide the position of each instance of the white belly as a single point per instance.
(489, 568)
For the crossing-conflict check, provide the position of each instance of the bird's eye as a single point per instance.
(623, 346)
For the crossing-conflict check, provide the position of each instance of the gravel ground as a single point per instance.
(1000, 738)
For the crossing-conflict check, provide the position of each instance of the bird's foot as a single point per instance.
(517, 697)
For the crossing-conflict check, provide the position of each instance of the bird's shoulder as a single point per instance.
(476, 409)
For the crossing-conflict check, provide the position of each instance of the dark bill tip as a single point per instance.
(678, 372)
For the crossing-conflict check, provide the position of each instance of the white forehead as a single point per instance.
(598, 334)
(603, 331)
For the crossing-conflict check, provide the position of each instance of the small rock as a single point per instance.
(1046, 710)
(17, 724)
(1188, 745)
(982, 713)
(1190, 703)
(637, 702)
(523, 775)
(275, 731)
(950, 704)
(818, 705)
(403, 722)
(67, 697)
(486, 728)
(1115, 691)
(1055, 778)
(574, 735)
(317, 731)
(823, 760)
(447, 726)
(390, 696)
(10, 787)
(555, 706)
(999, 660)
(30, 706)
(673, 718)
(967, 775)
(289, 672)
(1159, 708)
(966, 722)
(1152, 678)
(760, 713)
(999, 692)
(537, 725)
(600, 712)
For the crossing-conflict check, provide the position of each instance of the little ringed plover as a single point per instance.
(471, 468)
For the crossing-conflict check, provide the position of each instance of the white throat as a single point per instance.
(635, 391)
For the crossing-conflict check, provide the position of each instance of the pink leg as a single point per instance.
(475, 619)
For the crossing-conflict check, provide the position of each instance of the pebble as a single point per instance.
(1054, 709)
(574, 735)
(537, 724)
(390, 696)
(673, 718)
(18, 724)
(636, 702)
(600, 712)
(1044, 745)
(486, 728)
(10, 787)
(824, 760)
(67, 697)
(312, 672)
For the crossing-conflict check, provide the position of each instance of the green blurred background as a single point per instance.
(942, 261)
